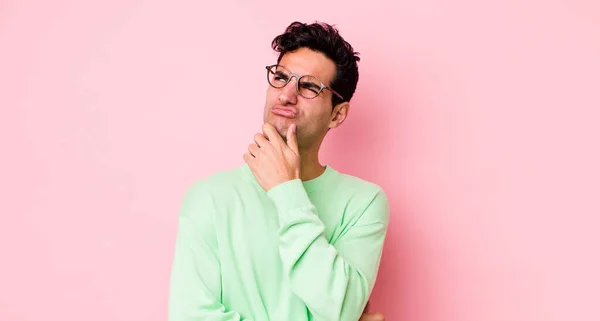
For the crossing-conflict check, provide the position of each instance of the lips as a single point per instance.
(287, 112)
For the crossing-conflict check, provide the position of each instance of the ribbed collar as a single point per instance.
(314, 184)
(311, 185)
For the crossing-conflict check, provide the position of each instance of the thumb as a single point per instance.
(292, 142)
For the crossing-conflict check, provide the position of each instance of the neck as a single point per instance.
(310, 166)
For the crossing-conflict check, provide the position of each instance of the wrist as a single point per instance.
(289, 195)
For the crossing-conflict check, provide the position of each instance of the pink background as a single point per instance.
(480, 119)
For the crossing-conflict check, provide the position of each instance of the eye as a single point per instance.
(310, 86)
(280, 76)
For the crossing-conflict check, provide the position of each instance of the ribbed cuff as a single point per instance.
(289, 195)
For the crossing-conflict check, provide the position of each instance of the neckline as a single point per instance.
(310, 185)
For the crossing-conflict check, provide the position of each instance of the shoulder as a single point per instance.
(218, 181)
(359, 184)
(207, 191)
(365, 197)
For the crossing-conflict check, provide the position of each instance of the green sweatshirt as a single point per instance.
(303, 251)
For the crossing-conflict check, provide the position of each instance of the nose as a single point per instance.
(288, 94)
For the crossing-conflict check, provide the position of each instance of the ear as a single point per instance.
(339, 114)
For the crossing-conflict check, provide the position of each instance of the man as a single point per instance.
(283, 237)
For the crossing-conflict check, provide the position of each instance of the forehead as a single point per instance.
(307, 62)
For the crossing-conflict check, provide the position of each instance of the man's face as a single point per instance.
(284, 106)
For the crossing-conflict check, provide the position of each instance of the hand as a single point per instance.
(371, 316)
(271, 160)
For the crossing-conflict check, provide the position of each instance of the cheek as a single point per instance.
(271, 94)
(315, 120)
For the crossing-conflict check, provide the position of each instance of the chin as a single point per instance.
(282, 130)
(280, 123)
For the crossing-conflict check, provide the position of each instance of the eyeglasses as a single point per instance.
(307, 86)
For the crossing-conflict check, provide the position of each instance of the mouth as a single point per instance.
(287, 112)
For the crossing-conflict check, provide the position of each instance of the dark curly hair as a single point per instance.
(323, 38)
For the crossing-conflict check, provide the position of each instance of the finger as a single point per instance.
(248, 158)
(271, 134)
(372, 316)
(377, 316)
(261, 140)
(253, 149)
(292, 141)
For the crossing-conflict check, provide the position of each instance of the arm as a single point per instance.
(195, 285)
(334, 280)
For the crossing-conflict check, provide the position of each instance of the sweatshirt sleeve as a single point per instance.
(334, 280)
(195, 282)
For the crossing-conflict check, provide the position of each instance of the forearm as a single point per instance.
(334, 283)
(331, 287)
